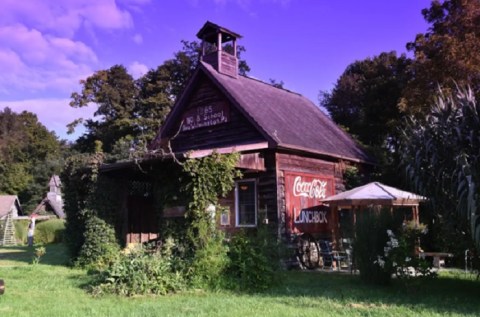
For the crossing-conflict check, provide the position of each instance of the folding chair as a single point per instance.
(331, 259)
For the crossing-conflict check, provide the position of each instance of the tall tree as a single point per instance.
(446, 55)
(364, 101)
(364, 98)
(29, 155)
(114, 92)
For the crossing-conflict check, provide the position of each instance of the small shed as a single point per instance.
(53, 202)
(9, 204)
(9, 209)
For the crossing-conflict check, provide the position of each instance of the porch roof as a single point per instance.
(375, 193)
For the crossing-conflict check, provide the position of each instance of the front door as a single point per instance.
(143, 223)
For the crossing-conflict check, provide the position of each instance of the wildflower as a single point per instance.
(379, 261)
(390, 233)
(386, 250)
(394, 243)
(408, 259)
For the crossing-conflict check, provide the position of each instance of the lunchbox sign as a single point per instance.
(311, 215)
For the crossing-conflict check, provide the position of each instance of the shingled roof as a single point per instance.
(288, 119)
(9, 203)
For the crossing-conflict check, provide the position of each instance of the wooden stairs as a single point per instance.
(7, 231)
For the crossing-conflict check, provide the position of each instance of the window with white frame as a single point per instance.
(246, 203)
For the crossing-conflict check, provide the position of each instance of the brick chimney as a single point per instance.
(219, 48)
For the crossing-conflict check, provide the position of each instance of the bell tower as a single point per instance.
(219, 48)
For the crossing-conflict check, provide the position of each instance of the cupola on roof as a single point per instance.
(209, 32)
(219, 48)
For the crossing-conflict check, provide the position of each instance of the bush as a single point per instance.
(21, 228)
(399, 254)
(50, 231)
(209, 259)
(140, 272)
(100, 248)
(254, 259)
(371, 238)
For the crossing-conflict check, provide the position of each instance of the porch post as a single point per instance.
(416, 217)
(336, 225)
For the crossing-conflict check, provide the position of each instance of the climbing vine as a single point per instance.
(210, 177)
(79, 179)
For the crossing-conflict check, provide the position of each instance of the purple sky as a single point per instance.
(47, 46)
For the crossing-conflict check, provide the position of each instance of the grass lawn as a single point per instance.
(53, 289)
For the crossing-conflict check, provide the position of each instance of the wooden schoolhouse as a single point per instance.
(292, 155)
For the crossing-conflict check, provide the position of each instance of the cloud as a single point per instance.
(67, 18)
(53, 113)
(246, 4)
(106, 14)
(37, 61)
(138, 38)
(137, 69)
(48, 46)
(134, 5)
(41, 44)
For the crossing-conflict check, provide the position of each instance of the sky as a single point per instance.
(48, 46)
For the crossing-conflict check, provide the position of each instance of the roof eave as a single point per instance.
(374, 202)
(285, 146)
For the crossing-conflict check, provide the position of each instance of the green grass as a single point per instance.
(52, 289)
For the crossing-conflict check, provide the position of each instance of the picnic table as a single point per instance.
(438, 257)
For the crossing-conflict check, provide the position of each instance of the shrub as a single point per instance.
(79, 179)
(209, 258)
(254, 259)
(399, 254)
(50, 231)
(210, 177)
(371, 237)
(140, 272)
(21, 227)
(100, 248)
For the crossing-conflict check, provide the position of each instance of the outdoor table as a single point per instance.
(438, 257)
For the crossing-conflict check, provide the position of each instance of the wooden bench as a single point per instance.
(438, 257)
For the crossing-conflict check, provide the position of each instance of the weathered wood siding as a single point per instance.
(267, 184)
(266, 193)
(236, 131)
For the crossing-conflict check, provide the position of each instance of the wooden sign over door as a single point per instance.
(206, 116)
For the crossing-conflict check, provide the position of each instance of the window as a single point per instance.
(246, 203)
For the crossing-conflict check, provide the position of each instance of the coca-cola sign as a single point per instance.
(315, 188)
(304, 195)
